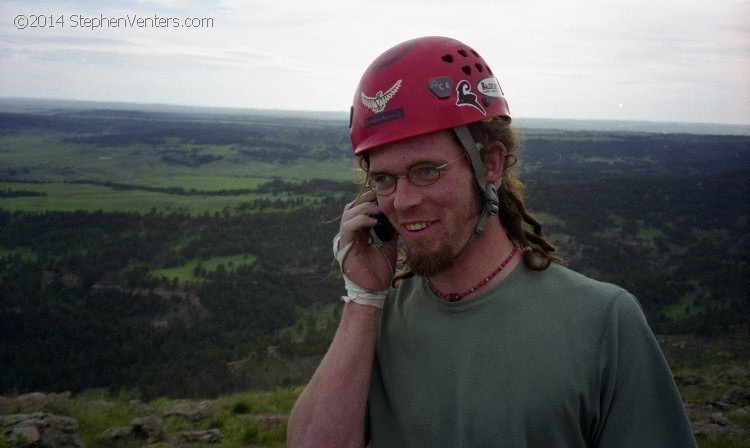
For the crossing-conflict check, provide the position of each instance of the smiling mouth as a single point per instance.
(416, 226)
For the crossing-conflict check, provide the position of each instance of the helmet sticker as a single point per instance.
(466, 97)
(441, 86)
(378, 102)
(490, 87)
(383, 117)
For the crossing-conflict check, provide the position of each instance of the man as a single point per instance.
(485, 339)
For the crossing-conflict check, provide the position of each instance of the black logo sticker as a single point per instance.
(467, 98)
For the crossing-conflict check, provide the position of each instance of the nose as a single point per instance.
(406, 194)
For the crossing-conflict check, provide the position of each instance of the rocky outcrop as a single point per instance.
(716, 423)
(724, 412)
(192, 412)
(209, 436)
(142, 431)
(52, 403)
(40, 430)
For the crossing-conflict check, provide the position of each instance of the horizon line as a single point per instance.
(738, 128)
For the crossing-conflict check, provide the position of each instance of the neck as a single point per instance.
(480, 258)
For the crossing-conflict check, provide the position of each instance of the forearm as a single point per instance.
(331, 410)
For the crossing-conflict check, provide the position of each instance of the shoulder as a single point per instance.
(563, 294)
(564, 283)
(562, 276)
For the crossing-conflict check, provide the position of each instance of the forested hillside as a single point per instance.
(179, 255)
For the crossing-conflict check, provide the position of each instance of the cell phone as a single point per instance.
(383, 229)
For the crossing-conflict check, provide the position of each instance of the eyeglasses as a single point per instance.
(422, 174)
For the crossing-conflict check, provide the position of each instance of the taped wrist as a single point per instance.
(354, 292)
(357, 294)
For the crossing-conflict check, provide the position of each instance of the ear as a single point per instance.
(494, 161)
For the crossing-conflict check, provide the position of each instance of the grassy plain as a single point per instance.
(48, 164)
(185, 272)
(71, 197)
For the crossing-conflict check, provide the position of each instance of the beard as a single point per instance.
(424, 261)
(429, 265)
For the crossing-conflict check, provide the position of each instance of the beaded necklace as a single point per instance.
(455, 297)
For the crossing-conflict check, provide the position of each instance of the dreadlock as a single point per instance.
(520, 225)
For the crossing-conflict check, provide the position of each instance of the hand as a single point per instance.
(370, 267)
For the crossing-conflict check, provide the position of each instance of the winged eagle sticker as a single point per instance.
(377, 103)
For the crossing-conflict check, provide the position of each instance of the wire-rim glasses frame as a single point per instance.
(421, 174)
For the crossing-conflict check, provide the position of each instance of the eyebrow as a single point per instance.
(422, 162)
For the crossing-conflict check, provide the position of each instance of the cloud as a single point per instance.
(575, 59)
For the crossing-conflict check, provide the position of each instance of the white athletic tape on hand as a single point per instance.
(355, 292)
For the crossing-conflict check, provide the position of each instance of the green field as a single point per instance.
(72, 176)
(72, 197)
(186, 271)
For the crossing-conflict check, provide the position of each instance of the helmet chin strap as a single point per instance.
(491, 201)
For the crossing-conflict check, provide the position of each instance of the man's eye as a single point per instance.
(426, 171)
(382, 178)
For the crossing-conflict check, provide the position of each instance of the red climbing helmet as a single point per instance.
(421, 86)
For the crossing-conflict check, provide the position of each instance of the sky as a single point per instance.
(665, 60)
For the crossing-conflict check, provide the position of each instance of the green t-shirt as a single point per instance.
(544, 359)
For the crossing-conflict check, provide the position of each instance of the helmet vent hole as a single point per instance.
(463, 53)
(466, 69)
(489, 70)
(479, 67)
(475, 53)
(448, 58)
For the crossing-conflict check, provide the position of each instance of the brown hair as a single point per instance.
(520, 225)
